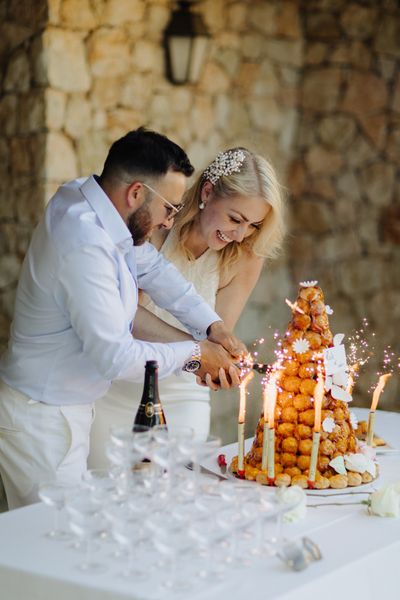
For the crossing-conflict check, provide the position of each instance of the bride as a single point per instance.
(232, 220)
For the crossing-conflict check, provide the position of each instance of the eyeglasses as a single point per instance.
(172, 209)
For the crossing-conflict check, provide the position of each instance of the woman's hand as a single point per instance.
(220, 334)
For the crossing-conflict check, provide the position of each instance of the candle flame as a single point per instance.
(318, 398)
(294, 306)
(271, 392)
(378, 390)
(242, 395)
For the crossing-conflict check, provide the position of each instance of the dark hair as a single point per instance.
(142, 153)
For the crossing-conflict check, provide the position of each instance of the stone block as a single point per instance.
(229, 59)
(119, 12)
(365, 93)
(249, 76)
(322, 25)
(106, 91)
(237, 16)
(10, 267)
(375, 128)
(322, 161)
(18, 74)
(108, 53)
(359, 21)
(65, 55)
(337, 131)
(315, 53)
(60, 160)
(288, 20)
(266, 114)
(289, 52)
(92, 151)
(378, 181)
(32, 13)
(148, 56)
(252, 46)
(202, 117)
(393, 144)
(8, 114)
(77, 14)
(156, 20)
(348, 185)
(263, 17)
(388, 35)
(78, 115)
(20, 156)
(31, 108)
(396, 95)
(313, 216)
(360, 152)
(213, 79)
(121, 120)
(214, 13)
(321, 89)
(55, 101)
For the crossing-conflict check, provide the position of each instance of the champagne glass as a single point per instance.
(128, 531)
(53, 494)
(203, 450)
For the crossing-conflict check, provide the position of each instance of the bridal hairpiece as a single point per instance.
(225, 163)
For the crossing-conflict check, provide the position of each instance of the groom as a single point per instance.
(75, 306)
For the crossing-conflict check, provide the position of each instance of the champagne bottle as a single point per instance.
(150, 411)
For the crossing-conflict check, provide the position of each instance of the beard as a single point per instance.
(140, 225)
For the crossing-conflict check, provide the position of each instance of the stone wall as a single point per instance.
(312, 85)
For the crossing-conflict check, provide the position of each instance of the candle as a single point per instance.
(375, 399)
(272, 392)
(241, 422)
(318, 398)
(265, 431)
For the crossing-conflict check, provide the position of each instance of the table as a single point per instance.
(361, 555)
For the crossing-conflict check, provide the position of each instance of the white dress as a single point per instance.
(185, 402)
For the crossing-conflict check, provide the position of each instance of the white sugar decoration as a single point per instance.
(301, 346)
(328, 424)
(353, 420)
(338, 464)
(329, 310)
(308, 283)
(225, 163)
(359, 463)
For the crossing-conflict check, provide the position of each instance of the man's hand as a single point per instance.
(217, 367)
(220, 334)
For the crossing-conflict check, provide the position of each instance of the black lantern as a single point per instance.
(186, 40)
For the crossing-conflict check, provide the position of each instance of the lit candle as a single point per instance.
(241, 422)
(375, 399)
(350, 383)
(272, 392)
(318, 398)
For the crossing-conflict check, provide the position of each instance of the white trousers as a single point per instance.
(40, 442)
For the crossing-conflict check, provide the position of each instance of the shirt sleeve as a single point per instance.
(89, 285)
(162, 281)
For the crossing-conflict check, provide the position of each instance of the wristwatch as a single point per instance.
(194, 362)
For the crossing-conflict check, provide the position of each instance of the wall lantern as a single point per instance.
(186, 41)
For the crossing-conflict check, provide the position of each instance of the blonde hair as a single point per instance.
(256, 177)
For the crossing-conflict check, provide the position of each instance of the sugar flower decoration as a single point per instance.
(338, 464)
(329, 310)
(328, 424)
(225, 163)
(360, 463)
(353, 420)
(301, 346)
(308, 283)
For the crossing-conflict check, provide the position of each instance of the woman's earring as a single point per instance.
(201, 205)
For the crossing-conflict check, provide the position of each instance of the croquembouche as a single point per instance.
(342, 461)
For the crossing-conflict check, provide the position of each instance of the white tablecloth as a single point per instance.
(361, 555)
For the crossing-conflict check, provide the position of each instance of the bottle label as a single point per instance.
(149, 410)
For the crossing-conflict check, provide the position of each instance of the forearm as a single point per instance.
(147, 326)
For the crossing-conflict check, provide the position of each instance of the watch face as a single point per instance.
(192, 365)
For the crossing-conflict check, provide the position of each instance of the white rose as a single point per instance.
(296, 497)
(386, 502)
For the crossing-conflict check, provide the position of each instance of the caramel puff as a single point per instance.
(354, 479)
(307, 386)
(352, 444)
(290, 444)
(285, 399)
(285, 429)
(278, 468)
(338, 414)
(341, 445)
(303, 432)
(307, 370)
(366, 477)
(250, 473)
(300, 480)
(291, 367)
(327, 337)
(303, 305)
(305, 357)
(301, 322)
(314, 339)
(234, 464)
(303, 462)
(262, 477)
(293, 334)
(291, 384)
(282, 480)
(323, 463)
(320, 324)
(326, 448)
(338, 482)
(326, 414)
(311, 294)
(258, 453)
(289, 415)
(288, 459)
(307, 417)
(292, 471)
(302, 402)
(305, 446)
(317, 308)
(346, 429)
(321, 482)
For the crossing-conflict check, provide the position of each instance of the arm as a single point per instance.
(232, 297)
(151, 328)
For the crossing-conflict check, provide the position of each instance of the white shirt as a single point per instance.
(77, 297)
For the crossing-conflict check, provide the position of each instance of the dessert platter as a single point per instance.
(313, 446)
